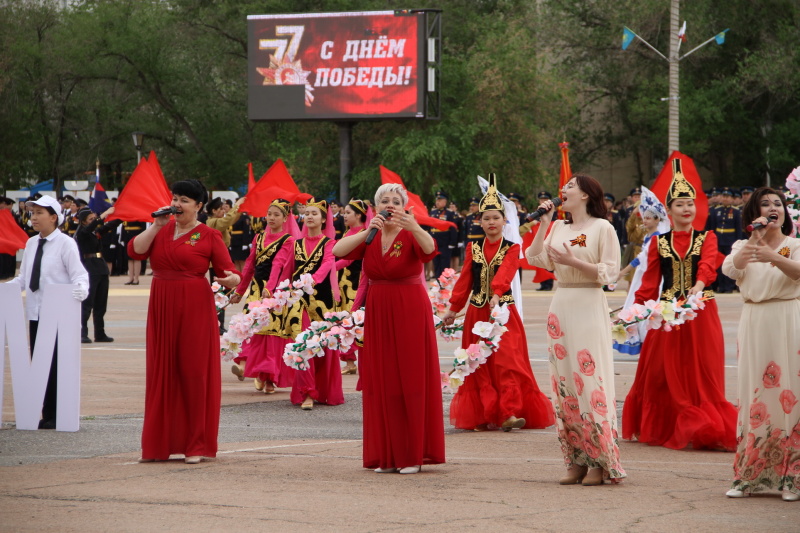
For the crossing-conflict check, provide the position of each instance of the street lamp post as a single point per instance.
(138, 139)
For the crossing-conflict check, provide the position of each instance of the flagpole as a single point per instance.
(673, 134)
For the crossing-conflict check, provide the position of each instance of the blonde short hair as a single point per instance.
(394, 188)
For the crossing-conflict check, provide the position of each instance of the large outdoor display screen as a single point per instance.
(344, 66)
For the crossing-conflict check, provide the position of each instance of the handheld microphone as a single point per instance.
(374, 231)
(759, 225)
(536, 215)
(166, 211)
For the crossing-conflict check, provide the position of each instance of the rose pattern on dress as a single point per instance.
(586, 363)
(788, 401)
(772, 376)
(554, 327)
(758, 414)
(559, 350)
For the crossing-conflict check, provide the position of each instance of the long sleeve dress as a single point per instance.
(323, 379)
(768, 432)
(504, 386)
(579, 338)
(183, 383)
(678, 394)
(349, 274)
(271, 261)
(400, 375)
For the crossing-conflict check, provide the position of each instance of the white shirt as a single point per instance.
(61, 263)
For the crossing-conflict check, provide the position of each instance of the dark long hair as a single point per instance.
(752, 209)
(596, 206)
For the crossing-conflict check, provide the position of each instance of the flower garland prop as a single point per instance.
(793, 199)
(221, 299)
(338, 331)
(256, 315)
(467, 360)
(656, 314)
(439, 293)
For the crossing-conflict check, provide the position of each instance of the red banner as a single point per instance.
(335, 65)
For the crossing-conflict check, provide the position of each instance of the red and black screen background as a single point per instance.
(285, 102)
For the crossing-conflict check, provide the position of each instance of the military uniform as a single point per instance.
(471, 230)
(446, 240)
(726, 222)
(616, 219)
(241, 237)
(129, 231)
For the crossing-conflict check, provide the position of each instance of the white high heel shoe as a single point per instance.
(410, 469)
(789, 496)
(737, 493)
(385, 470)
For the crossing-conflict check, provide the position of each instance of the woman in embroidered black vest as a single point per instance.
(271, 261)
(355, 218)
(313, 254)
(678, 395)
(502, 392)
(584, 252)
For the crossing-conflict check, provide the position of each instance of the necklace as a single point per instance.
(583, 224)
(182, 232)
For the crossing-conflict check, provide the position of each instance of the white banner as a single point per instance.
(60, 313)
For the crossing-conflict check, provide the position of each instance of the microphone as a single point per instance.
(374, 231)
(166, 211)
(536, 215)
(759, 225)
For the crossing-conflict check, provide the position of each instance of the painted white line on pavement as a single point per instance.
(445, 358)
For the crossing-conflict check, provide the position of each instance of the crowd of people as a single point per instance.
(677, 398)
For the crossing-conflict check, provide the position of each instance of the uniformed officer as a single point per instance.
(747, 192)
(446, 240)
(129, 231)
(522, 213)
(338, 219)
(615, 218)
(737, 199)
(241, 236)
(472, 230)
(726, 221)
(70, 207)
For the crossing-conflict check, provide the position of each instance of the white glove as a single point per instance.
(80, 294)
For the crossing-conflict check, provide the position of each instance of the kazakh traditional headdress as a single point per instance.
(322, 205)
(491, 200)
(282, 204)
(358, 206)
(680, 187)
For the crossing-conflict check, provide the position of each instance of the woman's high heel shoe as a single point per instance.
(575, 475)
(410, 469)
(593, 477)
(789, 496)
(737, 493)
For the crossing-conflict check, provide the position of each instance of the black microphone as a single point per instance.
(166, 211)
(374, 231)
(536, 215)
(758, 225)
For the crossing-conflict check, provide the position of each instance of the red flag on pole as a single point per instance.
(145, 192)
(420, 211)
(565, 173)
(275, 183)
(251, 181)
(12, 237)
(664, 180)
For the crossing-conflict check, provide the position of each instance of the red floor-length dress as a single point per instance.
(183, 383)
(264, 351)
(323, 379)
(504, 386)
(678, 394)
(399, 364)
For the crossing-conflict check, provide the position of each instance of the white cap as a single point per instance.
(48, 201)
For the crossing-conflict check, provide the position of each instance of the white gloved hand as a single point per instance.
(80, 294)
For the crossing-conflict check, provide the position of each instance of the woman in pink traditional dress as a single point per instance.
(584, 252)
(502, 393)
(766, 268)
(349, 270)
(322, 381)
(678, 395)
(271, 261)
(399, 364)
(183, 385)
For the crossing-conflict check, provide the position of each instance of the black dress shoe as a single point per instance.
(104, 338)
(47, 423)
(86, 340)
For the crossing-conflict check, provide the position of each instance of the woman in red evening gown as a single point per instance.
(322, 381)
(271, 261)
(400, 376)
(678, 394)
(502, 392)
(182, 391)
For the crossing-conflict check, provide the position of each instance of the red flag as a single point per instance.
(664, 180)
(275, 183)
(251, 181)
(565, 174)
(12, 237)
(420, 211)
(145, 192)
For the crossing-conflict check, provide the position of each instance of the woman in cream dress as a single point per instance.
(584, 252)
(767, 270)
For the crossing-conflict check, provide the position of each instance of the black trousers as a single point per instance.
(441, 261)
(51, 392)
(96, 303)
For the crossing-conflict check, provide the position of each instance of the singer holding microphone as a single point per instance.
(399, 364)
(766, 267)
(584, 252)
(183, 382)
